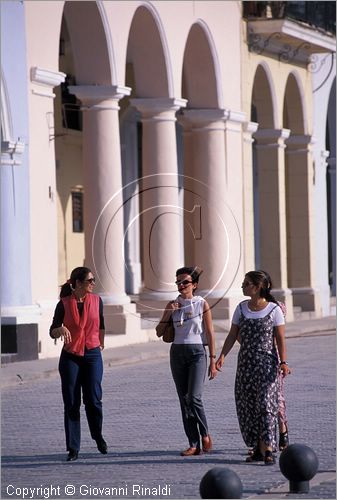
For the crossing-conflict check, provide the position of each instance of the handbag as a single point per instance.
(166, 330)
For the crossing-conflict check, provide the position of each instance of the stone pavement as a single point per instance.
(142, 425)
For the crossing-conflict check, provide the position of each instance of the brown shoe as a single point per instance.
(207, 443)
(190, 451)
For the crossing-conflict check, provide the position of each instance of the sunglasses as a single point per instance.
(92, 281)
(185, 282)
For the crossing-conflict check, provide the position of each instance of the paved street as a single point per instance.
(145, 435)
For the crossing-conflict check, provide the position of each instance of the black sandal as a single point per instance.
(284, 440)
(256, 456)
(269, 458)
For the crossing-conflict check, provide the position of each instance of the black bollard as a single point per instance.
(299, 464)
(220, 483)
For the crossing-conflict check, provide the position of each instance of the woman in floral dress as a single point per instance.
(256, 324)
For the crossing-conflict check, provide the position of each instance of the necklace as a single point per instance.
(79, 299)
(257, 307)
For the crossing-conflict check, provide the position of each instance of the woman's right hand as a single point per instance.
(63, 333)
(174, 305)
(219, 362)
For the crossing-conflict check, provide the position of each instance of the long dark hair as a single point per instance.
(262, 278)
(80, 274)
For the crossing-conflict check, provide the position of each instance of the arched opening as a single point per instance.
(331, 187)
(201, 89)
(148, 77)
(265, 170)
(199, 79)
(297, 189)
(82, 38)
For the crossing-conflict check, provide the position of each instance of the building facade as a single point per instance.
(141, 136)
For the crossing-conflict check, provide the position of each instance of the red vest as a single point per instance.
(84, 329)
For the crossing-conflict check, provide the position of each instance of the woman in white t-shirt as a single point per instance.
(257, 323)
(193, 329)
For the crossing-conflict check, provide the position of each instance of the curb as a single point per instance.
(121, 356)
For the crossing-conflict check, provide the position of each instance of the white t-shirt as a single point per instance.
(276, 314)
(188, 321)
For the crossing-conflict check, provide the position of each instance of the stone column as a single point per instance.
(249, 128)
(300, 224)
(192, 208)
(270, 163)
(161, 215)
(218, 244)
(103, 200)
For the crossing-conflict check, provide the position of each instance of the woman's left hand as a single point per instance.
(285, 370)
(212, 371)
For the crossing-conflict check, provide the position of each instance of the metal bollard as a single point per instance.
(220, 483)
(298, 463)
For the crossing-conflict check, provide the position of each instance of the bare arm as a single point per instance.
(208, 323)
(163, 323)
(228, 344)
(281, 346)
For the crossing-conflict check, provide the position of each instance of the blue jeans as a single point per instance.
(81, 373)
(189, 366)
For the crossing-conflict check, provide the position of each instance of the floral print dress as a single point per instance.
(256, 383)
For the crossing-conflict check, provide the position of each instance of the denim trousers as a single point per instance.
(189, 365)
(81, 374)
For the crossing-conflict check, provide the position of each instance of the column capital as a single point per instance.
(235, 119)
(271, 138)
(249, 128)
(299, 143)
(206, 118)
(158, 108)
(99, 96)
(225, 119)
(47, 79)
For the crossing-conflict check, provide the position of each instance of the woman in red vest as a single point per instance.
(79, 322)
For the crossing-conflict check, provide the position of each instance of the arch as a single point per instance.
(148, 60)
(331, 118)
(111, 52)
(294, 111)
(331, 185)
(201, 79)
(89, 35)
(263, 105)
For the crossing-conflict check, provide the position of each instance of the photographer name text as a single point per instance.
(70, 490)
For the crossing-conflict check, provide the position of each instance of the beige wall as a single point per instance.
(167, 45)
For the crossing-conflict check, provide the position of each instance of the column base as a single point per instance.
(123, 326)
(19, 333)
(152, 304)
(307, 299)
(285, 295)
(19, 342)
(223, 307)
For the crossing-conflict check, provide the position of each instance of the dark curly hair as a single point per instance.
(194, 272)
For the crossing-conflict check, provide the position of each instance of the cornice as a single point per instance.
(47, 79)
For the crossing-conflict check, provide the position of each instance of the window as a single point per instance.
(77, 204)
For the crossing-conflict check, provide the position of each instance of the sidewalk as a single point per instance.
(143, 428)
(27, 371)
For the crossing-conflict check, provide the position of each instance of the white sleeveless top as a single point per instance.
(188, 321)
